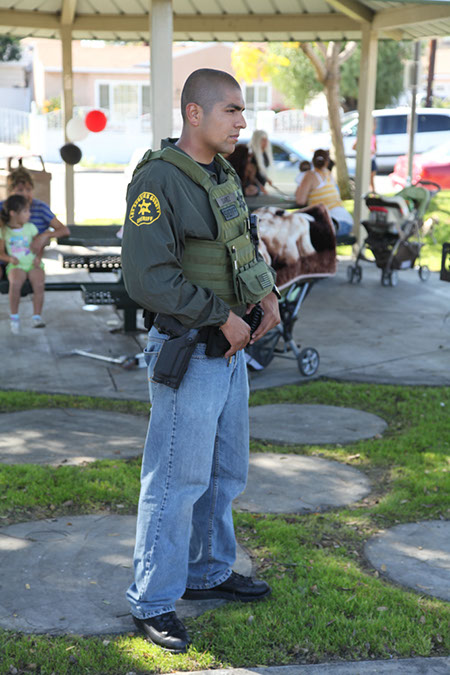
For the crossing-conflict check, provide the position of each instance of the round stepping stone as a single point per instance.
(69, 436)
(416, 555)
(70, 575)
(295, 484)
(312, 424)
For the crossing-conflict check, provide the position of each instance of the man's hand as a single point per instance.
(270, 319)
(13, 260)
(237, 333)
(37, 261)
(40, 241)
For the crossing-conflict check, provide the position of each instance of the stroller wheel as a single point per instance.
(393, 278)
(308, 361)
(350, 273)
(358, 274)
(424, 272)
(385, 278)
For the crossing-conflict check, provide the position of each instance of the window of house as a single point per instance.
(123, 100)
(257, 96)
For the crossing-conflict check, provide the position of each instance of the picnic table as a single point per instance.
(92, 235)
(279, 201)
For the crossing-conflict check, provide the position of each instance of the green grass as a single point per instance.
(327, 602)
(431, 254)
(440, 210)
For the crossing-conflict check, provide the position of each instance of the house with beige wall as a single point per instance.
(116, 78)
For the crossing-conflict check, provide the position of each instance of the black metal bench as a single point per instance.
(4, 288)
(95, 293)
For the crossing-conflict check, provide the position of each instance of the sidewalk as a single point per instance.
(434, 666)
(365, 332)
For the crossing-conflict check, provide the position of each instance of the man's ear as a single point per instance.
(194, 113)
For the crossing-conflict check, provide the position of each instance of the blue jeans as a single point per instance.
(195, 463)
(345, 227)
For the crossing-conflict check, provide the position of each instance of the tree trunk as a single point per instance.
(328, 73)
(332, 93)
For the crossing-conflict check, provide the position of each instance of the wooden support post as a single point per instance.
(66, 39)
(366, 102)
(412, 117)
(161, 93)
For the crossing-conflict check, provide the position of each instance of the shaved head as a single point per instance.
(205, 87)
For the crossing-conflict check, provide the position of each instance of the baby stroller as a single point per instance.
(394, 233)
(280, 341)
(295, 279)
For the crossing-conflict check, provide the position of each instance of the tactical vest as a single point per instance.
(228, 265)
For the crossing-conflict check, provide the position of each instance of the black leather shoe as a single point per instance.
(166, 631)
(236, 587)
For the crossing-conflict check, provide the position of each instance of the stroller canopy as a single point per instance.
(419, 195)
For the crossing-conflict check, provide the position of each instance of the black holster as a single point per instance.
(176, 352)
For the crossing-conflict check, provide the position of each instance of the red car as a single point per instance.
(433, 165)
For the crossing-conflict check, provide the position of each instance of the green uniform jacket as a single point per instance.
(164, 207)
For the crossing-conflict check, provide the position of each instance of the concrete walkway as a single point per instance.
(363, 332)
(433, 666)
(69, 436)
(69, 575)
(312, 424)
(74, 436)
(298, 484)
(370, 333)
(416, 555)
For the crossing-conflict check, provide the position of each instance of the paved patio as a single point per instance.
(364, 332)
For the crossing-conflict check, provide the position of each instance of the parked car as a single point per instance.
(286, 159)
(433, 165)
(433, 128)
(285, 154)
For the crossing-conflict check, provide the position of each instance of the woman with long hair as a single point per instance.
(261, 155)
(240, 160)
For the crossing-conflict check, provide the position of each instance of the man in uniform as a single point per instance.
(187, 254)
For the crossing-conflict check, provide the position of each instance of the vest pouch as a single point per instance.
(252, 278)
(254, 282)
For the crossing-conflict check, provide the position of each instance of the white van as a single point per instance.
(433, 128)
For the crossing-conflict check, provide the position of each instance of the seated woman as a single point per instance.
(318, 187)
(20, 182)
(246, 170)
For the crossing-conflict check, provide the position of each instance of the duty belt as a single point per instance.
(203, 333)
